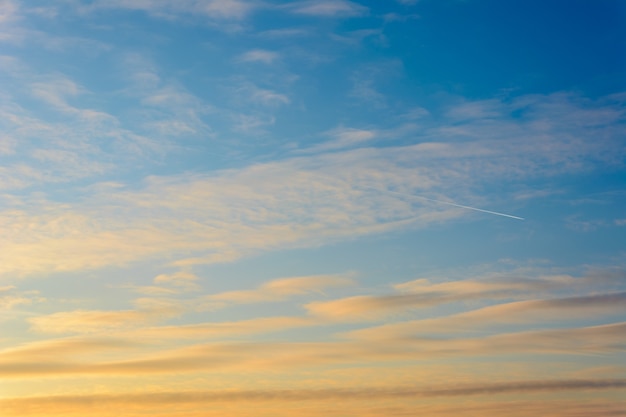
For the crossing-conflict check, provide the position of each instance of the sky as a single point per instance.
(303, 208)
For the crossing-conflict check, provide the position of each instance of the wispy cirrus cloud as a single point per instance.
(10, 15)
(213, 9)
(11, 297)
(343, 138)
(77, 406)
(148, 311)
(328, 8)
(417, 294)
(181, 279)
(261, 96)
(367, 82)
(35, 360)
(297, 201)
(259, 55)
(182, 183)
(96, 321)
(456, 390)
(422, 293)
(280, 289)
(545, 311)
(80, 141)
(8, 10)
(167, 109)
(225, 329)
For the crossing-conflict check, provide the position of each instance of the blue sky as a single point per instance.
(204, 204)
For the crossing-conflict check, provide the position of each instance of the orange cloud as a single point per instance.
(519, 312)
(36, 359)
(280, 289)
(469, 399)
(92, 321)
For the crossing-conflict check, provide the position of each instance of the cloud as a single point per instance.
(79, 405)
(10, 15)
(280, 289)
(263, 203)
(287, 33)
(259, 55)
(251, 123)
(414, 294)
(181, 279)
(166, 108)
(213, 9)
(150, 310)
(344, 138)
(358, 394)
(268, 97)
(94, 321)
(8, 10)
(422, 293)
(368, 81)
(11, 297)
(328, 8)
(297, 201)
(80, 141)
(34, 360)
(519, 312)
(364, 90)
(262, 96)
(476, 110)
(63, 349)
(153, 290)
(226, 329)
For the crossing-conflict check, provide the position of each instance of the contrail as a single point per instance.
(457, 205)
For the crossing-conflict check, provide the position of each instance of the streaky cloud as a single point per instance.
(173, 397)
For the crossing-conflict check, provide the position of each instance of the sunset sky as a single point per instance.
(312, 208)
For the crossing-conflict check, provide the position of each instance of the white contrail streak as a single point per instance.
(457, 205)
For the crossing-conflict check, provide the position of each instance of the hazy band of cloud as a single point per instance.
(557, 310)
(84, 356)
(359, 394)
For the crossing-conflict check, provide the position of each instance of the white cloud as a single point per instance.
(78, 141)
(365, 91)
(328, 8)
(288, 33)
(261, 96)
(8, 11)
(408, 2)
(259, 55)
(350, 135)
(56, 92)
(344, 138)
(251, 123)
(269, 97)
(213, 9)
(367, 79)
(476, 110)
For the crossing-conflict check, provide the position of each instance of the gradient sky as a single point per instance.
(253, 208)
